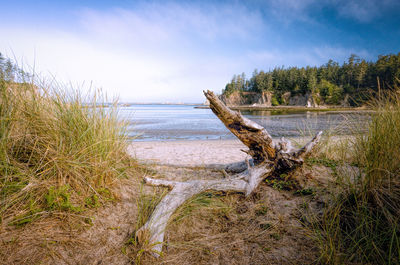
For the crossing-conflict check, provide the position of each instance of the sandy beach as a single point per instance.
(193, 152)
(275, 209)
(188, 153)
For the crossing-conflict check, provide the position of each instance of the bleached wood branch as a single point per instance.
(253, 135)
(270, 158)
(154, 229)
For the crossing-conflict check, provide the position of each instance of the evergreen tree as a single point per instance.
(354, 77)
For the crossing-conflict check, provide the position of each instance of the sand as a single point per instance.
(261, 229)
(189, 153)
(193, 153)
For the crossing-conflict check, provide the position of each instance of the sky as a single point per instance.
(170, 51)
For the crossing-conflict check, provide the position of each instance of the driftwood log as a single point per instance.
(269, 158)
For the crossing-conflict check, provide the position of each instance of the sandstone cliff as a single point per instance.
(239, 98)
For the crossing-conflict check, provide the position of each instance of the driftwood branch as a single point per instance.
(269, 158)
(153, 230)
(253, 135)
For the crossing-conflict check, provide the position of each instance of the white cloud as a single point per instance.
(166, 24)
(363, 11)
(292, 11)
(153, 53)
(313, 56)
(160, 51)
(367, 10)
(341, 54)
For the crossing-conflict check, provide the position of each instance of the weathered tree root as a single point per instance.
(270, 158)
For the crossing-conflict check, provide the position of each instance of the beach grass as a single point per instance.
(360, 224)
(60, 151)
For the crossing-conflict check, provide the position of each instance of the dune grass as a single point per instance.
(361, 223)
(60, 151)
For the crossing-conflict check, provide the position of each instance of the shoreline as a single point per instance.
(294, 108)
(192, 153)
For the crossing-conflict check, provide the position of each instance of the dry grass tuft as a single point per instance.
(220, 228)
(57, 154)
(361, 224)
(61, 155)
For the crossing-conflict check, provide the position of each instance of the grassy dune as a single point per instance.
(361, 222)
(59, 151)
(356, 223)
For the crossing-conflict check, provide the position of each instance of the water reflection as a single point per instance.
(178, 122)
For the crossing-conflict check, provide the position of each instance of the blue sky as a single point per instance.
(169, 51)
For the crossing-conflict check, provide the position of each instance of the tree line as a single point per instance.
(10, 72)
(330, 82)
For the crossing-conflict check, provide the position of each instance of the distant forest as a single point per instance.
(10, 72)
(330, 83)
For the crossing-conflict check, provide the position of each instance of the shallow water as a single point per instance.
(182, 122)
